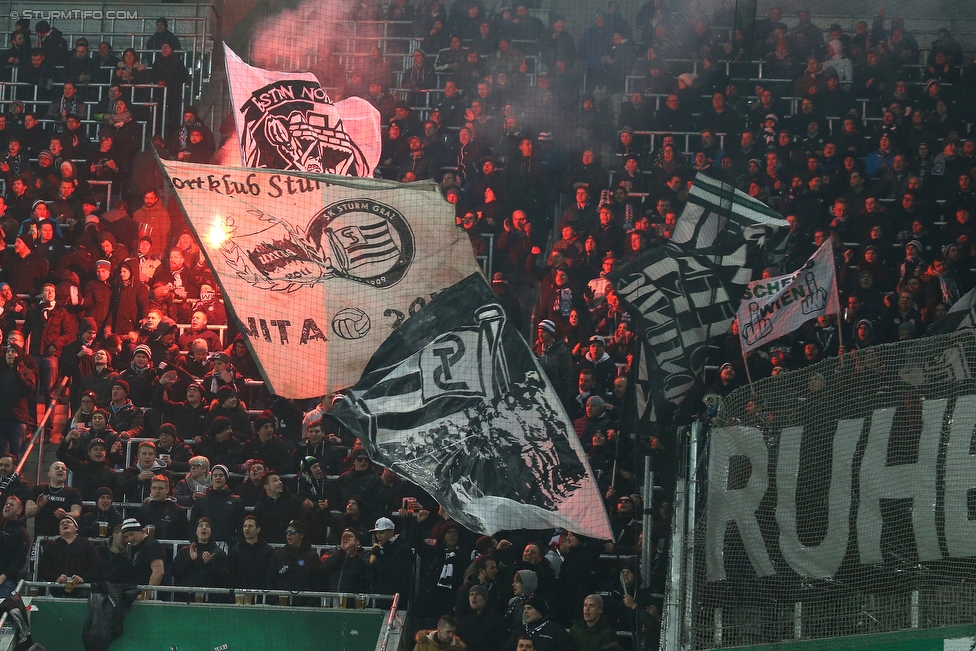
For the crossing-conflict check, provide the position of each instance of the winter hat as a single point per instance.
(221, 467)
(261, 421)
(123, 384)
(131, 524)
(97, 441)
(308, 462)
(539, 604)
(144, 349)
(219, 424)
(87, 324)
(597, 599)
(477, 588)
(530, 581)
(548, 326)
(167, 428)
(225, 392)
(103, 491)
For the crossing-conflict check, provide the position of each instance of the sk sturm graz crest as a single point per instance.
(361, 240)
(293, 125)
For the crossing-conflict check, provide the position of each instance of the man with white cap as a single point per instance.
(69, 558)
(555, 359)
(390, 560)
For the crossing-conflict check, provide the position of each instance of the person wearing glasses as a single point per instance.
(626, 528)
(361, 480)
(296, 566)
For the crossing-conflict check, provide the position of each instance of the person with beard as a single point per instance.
(11, 483)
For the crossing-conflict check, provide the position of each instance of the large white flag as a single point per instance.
(286, 121)
(319, 270)
(777, 306)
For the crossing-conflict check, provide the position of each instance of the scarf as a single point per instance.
(5, 481)
(119, 119)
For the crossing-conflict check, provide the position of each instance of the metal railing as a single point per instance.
(241, 596)
(39, 431)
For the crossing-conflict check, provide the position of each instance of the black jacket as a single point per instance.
(225, 510)
(214, 574)
(249, 564)
(392, 567)
(15, 544)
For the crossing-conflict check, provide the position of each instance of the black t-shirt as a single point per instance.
(66, 497)
(141, 558)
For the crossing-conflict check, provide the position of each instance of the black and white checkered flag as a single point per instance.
(720, 217)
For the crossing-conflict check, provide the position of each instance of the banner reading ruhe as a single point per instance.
(774, 307)
(319, 270)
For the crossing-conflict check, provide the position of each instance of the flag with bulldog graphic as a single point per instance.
(286, 121)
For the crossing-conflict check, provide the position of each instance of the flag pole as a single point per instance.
(745, 363)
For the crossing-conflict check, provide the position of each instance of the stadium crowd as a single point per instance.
(860, 139)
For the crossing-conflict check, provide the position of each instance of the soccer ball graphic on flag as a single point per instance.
(351, 323)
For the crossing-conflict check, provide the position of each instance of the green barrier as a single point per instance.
(949, 638)
(161, 626)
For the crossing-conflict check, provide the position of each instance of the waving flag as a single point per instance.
(318, 269)
(681, 300)
(720, 217)
(285, 120)
(777, 306)
(456, 402)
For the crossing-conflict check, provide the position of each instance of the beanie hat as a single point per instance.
(219, 424)
(308, 462)
(221, 467)
(144, 349)
(225, 392)
(131, 524)
(168, 428)
(103, 491)
(121, 383)
(539, 604)
(261, 421)
(597, 599)
(477, 588)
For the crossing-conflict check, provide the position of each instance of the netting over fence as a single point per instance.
(839, 499)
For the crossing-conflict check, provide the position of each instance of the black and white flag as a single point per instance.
(720, 217)
(960, 316)
(456, 402)
(642, 387)
(682, 299)
(286, 121)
